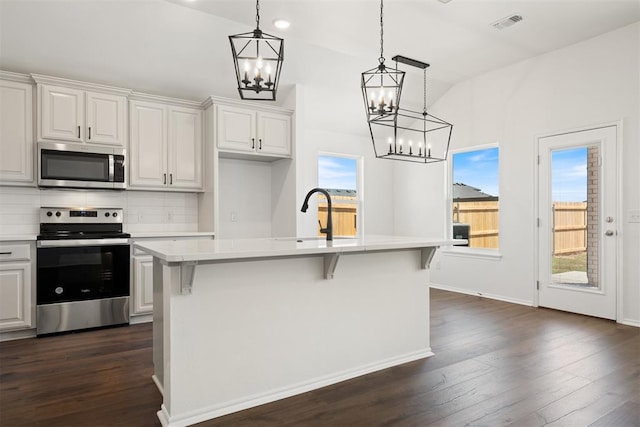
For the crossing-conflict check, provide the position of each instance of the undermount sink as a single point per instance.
(310, 239)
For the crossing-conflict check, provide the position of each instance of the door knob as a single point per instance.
(609, 232)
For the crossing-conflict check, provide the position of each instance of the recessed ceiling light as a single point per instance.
(283, 24)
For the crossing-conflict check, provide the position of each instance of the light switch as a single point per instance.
(234, 216)
(634, 215)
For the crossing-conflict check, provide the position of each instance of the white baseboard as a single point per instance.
(17, 335)
(144, 318)
(271, 396)
(482, 294)
(631, 322)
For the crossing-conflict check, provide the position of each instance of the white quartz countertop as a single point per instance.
(169, 234)
(228, 249)
(17, 237)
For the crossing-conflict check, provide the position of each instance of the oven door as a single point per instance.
(79, 270)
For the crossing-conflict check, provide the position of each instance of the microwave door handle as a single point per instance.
(111, 168)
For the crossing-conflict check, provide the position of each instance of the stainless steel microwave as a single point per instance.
(80, 166)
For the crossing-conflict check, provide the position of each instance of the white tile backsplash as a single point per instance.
(145, 211)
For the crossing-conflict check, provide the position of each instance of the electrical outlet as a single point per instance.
(234, 217)
(634, 215)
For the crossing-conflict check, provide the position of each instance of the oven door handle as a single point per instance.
(80, 242)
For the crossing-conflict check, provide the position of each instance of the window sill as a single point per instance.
(464, 252)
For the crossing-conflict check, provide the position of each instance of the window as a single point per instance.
(474, 191)
(339, 176)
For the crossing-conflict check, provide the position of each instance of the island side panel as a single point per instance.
(257, 331)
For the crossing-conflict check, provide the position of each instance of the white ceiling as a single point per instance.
(456, 37)
(179, 48)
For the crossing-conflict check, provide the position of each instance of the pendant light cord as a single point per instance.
(258, 14)
(381, 59)
(424, 85)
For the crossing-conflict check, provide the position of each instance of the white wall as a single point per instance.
(592, 82)
(145, 211)
(245, 199)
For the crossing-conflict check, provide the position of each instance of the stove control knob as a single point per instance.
(59, 290)
(58, 214)
(49, 213)
(115, 214)
(106, 214)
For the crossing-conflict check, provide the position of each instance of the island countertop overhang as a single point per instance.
(172, 251)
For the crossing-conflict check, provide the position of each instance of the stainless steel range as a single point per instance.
(83, 269)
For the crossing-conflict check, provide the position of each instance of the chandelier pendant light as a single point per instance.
(382, 86)
(413, 136)
(257, 58)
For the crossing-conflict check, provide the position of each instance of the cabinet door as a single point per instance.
(15, 295)
(61, 113)
(148, 140)
(185, 148)
(16, 132)
(236, 129)
(142, 285)
(274, 134)
(106, 117)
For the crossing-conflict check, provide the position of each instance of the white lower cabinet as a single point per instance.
(142, 297)
(16, 298)
(141, 301)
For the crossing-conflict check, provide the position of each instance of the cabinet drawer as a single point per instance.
(15, 252)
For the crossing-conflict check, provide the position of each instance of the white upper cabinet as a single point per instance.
(275, 133)
(61, 113)
(148, 144)
(261, 133)
(236, 128)
(81, 112)
(16, 132)
(185, 147)
(166, 147)
(106, 119)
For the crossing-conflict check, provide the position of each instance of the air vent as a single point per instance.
(506, 22)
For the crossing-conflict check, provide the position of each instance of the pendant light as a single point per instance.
(382, 86)
(413, 136)
(257, 58)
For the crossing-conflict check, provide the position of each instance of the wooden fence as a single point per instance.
(344, 215)
(569, 225)
(483, 220)
(569, 222)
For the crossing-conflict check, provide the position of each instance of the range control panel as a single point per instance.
(81, 215)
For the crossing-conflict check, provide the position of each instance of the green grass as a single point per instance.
(574, 262)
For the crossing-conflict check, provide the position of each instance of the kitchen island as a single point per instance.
(239, 323)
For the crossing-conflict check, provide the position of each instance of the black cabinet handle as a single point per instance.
(165, 179)
(170, 179)
(260, 146)
(78, 131)
(6, 253)
(253, 143)
(89, 132)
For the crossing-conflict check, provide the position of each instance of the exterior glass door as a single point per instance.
(577, 222)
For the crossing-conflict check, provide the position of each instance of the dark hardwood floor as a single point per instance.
(495, 364)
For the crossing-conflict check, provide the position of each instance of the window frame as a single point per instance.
(464, 251)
